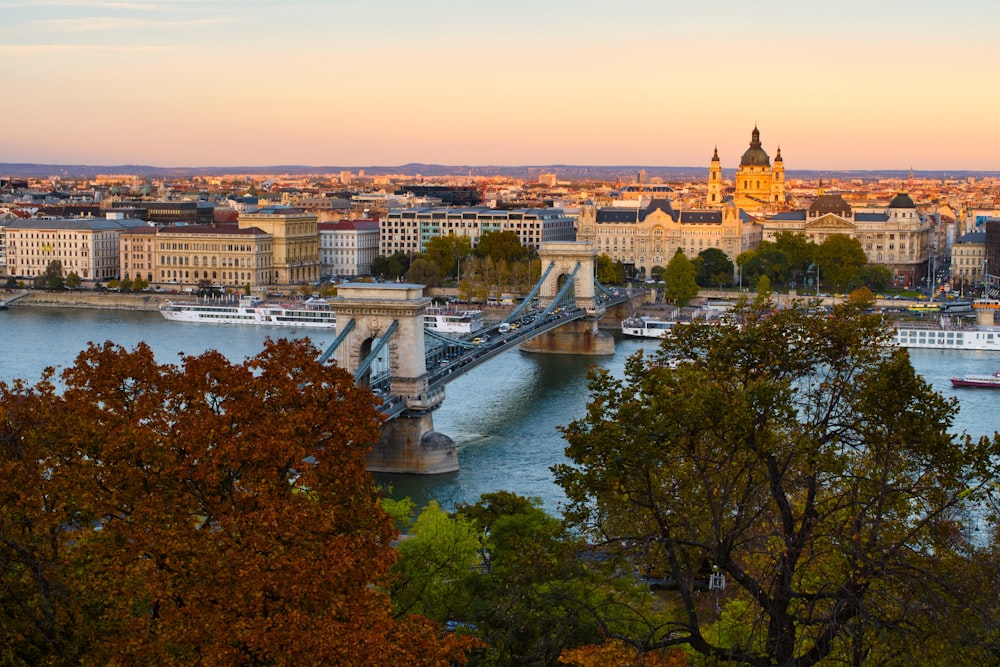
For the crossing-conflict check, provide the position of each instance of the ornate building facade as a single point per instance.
(896, 236)
(651, 233)
(759, 185)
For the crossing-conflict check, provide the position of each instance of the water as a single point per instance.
(504, 415)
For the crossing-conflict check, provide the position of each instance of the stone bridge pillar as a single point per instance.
(408, 443)
(579, 336)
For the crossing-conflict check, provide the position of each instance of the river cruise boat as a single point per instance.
(647, 327)
(453, 322)
(946, 335)
(311, 313)
(981, 381)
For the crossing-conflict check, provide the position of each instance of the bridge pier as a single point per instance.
(577, 337)
(409, 444)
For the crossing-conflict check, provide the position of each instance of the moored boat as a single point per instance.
(973, 380)
(647, 327)
(451, 321)
(311, 313)
(945, 335)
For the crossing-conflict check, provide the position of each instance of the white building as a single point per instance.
(347, 247)
(87, 247)
(408, 230)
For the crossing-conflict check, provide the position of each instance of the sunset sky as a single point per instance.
(850, 84)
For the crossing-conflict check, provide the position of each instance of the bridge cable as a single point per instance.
(337, 341)
(526, 303)
(382, 340)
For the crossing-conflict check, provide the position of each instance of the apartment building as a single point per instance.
(87, 247)
(408, 230)
(230, 256)
(968, 260)
(294, 243)
(347, 247)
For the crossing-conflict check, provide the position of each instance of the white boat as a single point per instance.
(311, 313)
(454, 322)
(647, 327)
(945, 335)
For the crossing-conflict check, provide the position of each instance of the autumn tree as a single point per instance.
(796, 482)
(206, 513)
(423, 272)
(501, 246)
(679, 279)
(608, 271)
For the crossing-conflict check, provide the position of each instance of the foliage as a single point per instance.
(501, 246)
(139, 284)
(609, 272)
(678, 279)
(713, 268)
(73, 280)
(391, 267)
(616, 653)
(763, 284)
(447, 252)
(52, 278)
(803, 457)
(207, 513)
(875, 277)
(840, 259)
(423, 272)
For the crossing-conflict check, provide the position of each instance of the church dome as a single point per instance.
(755, 155)
(902, 200)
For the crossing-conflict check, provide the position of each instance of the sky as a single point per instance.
(850, 84)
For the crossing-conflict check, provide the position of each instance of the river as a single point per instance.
(504, 415)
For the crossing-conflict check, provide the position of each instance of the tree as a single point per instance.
(875, 277)
(798, 251)
(139, 284)
(799, 459)
(840, 260)
(390, 267)
(73, 280)
(52, 278)
(211, 512)
(609, 272)
(713, 267)
(423, 272)
(678, 279)
(447, 252)
(502, 246)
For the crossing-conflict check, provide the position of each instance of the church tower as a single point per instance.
(778, 180)
(714, 197)
(754, 177)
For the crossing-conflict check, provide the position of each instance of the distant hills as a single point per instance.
(625, 173)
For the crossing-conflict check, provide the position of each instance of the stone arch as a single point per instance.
(566, 255)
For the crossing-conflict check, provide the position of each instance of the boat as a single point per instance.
(985, 381)
(946, 335)
(647, 327)
(445, 320)
(314, 312)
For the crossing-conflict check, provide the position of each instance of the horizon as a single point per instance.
(892, 86)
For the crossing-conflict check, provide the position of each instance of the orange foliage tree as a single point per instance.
(206, 513)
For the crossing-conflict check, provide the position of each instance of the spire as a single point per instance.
(715, 155)
(819, 191)
(777, 158)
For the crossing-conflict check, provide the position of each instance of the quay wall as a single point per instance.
(99, 300)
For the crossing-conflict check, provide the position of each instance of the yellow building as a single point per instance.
(650, 234)
(295, 243)
(758, 184)
(968, 260)
(189, 256)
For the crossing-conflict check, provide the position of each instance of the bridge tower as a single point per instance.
(408, 443)
(574, 259)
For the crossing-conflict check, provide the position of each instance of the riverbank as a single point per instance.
(96, 300)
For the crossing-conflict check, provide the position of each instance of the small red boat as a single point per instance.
(988, 381)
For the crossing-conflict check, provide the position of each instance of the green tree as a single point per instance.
(139, 284)
(502, 246)
(713, 268)
(609, 272)
(391, 267)
(798, 251)
(875, 277)
(52, 278)
(678, 279)
(840, 259)
(799, 459)
(447, 252)
(73, 280)
(424, 272)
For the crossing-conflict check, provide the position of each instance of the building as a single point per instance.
(167, 212)
(968, 256)
(896, 236)
(137, 253)
(294, 243)
(651, 233)
(87, 247)
(228, 256)
(992, 261)
(758, 184)
(347, 247)
(408, 230)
